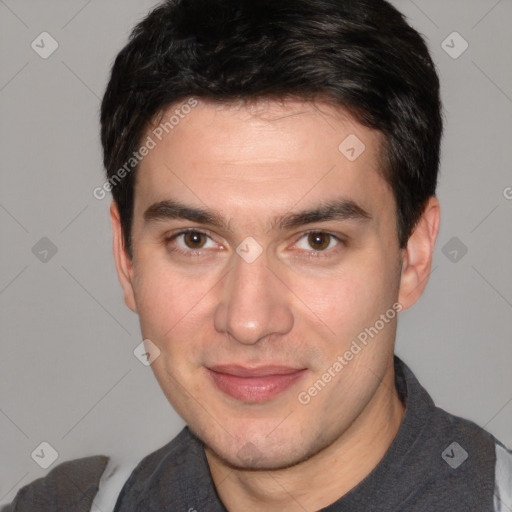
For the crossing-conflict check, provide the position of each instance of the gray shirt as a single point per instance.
(437, 462)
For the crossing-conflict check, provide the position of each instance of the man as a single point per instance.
(273, 166)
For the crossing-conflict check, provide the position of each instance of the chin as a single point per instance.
(258, 451)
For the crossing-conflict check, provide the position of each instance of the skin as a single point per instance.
(298, 304)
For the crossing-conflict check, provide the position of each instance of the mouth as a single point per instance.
(254, 384)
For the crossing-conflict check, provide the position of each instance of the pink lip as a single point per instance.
(254, 384)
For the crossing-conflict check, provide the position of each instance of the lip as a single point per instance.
(254, 384)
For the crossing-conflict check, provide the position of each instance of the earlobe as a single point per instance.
(122, 260)
(417, 257)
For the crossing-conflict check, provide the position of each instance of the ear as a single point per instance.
(417, 255)
(123, 262)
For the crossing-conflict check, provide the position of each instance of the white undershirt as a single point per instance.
(503, 479)
(110, 485)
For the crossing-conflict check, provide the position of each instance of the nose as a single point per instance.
(254, 303)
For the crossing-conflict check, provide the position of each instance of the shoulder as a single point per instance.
(72, 485)
(95, 482)
(454, 463)
(472, 437)
(473, 464)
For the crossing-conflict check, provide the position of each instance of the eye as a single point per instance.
(318, 241)
(190, 241)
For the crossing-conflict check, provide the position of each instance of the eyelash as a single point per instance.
(326, 253)
(191, 252)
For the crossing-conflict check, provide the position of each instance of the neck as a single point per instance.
(325, 477)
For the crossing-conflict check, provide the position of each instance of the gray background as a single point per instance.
(68, 373)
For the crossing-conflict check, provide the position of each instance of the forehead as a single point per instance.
(260, 156)
(256, 130)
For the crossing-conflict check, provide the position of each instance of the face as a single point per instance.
(262, 252)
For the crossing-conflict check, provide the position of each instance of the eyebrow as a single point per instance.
(338, 209)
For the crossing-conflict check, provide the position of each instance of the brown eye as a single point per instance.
(319, 241)
(194, 239)
(193, 243)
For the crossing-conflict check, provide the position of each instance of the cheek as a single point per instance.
(165, 299)
(344, 303)
(175, 310)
